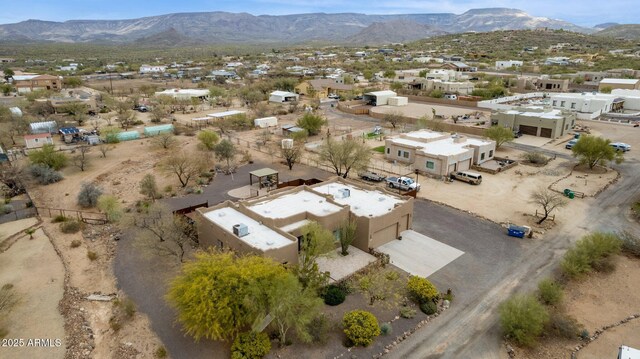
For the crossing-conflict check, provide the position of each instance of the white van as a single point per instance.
(466, 176)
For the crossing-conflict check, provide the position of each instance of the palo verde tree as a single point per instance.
(48, 156)
(312, 123)
(499, 134)
(394, 118)
(225, 151)
(343, 156)
(185, 165)
(316, 241)
(208, 140)
(592, 151)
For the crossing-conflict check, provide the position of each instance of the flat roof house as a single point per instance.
(321, 88)
(29, 83)
(536, 121)
(624, 84)
(152, 69)
(439, 154)
(185, 93)
(379, 98)
(38, 140)
(272, 225)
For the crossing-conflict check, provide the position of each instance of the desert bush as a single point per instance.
(563, 326)
(334, 295)
(630, 243)
(71, 226)
(115, 324)
(47, 156)
(125, 307)
(361, 327)
(76, 243)
(88, 195)
(319, 328)
(523, 319)
(536, 158)
(160, 353)
(386, 329)
(6, 208)
(45, 175)
(549, 292)
(407, 313)
(59, 219)
(92, 255)
(429, 307)
(421, 289)
(250, 345)
(590, 252)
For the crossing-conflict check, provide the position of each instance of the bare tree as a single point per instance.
(186, 165)
(104, 148)
(394, 118)
(343, 156)
(292, 155)
(10, 176)
(164, 140)
(81, 160)
(548, 200)
(162, 231)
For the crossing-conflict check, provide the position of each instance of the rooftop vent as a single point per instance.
(240, 229)
(344, 193)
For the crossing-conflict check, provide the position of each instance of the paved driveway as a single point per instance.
(418, 254)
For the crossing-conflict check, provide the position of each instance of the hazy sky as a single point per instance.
(581, 12)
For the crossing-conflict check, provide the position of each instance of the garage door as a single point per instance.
(529, 130)
(464, 165)
(545, 132)
(384, 235)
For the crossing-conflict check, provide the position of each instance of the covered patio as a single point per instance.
(266, 177)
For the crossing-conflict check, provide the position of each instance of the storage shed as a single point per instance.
(379, 98)
(128, 135)
(398, 101)
(38, 140)
(283, 96)
(265, 122)
(156, 130)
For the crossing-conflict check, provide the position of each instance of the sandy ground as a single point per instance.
(417, 110)
(37, 274)
(595, 302)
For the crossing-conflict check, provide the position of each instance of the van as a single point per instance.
(465, 176)
(619, 146)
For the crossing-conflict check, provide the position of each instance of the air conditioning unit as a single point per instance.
(240, 230)
(287, 143)
(344, 192)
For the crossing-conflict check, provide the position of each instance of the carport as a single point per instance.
(418, 254)
(267, 177)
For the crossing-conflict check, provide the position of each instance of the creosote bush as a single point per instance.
(549, 292)
(71, 226)
(591, 252)
(88, 195)
(45, 175)
(523, 318)
(407, 313)
(92, 255)
(76, 243)
(536, 158)
(361, 327)
(250, 345)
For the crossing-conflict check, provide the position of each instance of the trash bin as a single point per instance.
(572, 195)
(566, 192)
(515, 233)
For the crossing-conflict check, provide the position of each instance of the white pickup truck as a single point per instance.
(403, 183)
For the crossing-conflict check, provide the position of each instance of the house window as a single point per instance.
(405, 154)
(573, 105)
(399, 153)
(561, 103)
(555, 103)
(220, 244)
(36, 140)
(431, 165)
(482, 156)
(490, 153)
(388, 150)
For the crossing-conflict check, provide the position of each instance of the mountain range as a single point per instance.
(227, 28)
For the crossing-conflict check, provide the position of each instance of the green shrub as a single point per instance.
(71, 226)
(76, 243)
(334, 295)
(49, 157)
(590, 252)
(386, 328)
(160, 353)
(549, 292)
(92, 255)
(421, 289)
(523, 319)
(59, 219)
(407, 313)
(125, 307)
(536, 158)
(361, 327)
(115, 324)
(45, 175)
(88, 195)
(250, 345)
(429, 307)
(564, 326)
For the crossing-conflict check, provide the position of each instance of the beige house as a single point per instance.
(550, 123)
(322, 88)
(272, 225)
(623, 84)
(463, 88)
(439, 154)
(552, 85)
(38, 140)
(28, 83)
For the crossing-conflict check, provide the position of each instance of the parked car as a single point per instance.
(371, 176)
(466, 176)
(333, 96)
(141, 108)
(620, 146)
(570, 144)
(403, 183)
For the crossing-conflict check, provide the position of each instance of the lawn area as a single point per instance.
(378, 149)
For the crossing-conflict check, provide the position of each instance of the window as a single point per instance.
(482, 156)
(399, 153)
(388, 150)
(405, 154)
(36, 140)
(561, 103)
(555, 103)
(490, 153)
(573, 105)
(431, 165)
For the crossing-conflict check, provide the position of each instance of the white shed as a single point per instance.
(398, 101)
(283, 96)
(379, 98)
(15, 111)
(266, 122)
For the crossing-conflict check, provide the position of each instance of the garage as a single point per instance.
(464, 165)
(545, 132)
(384, 235)
(529, 130)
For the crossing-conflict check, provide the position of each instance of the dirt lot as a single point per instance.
(127, 85)
(595, 303)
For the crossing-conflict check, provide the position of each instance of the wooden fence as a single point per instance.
(86, 217)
